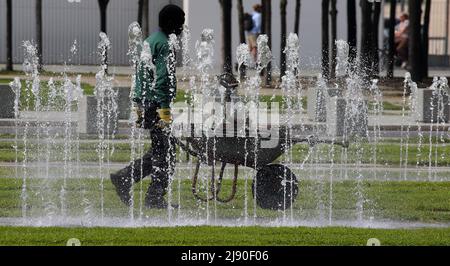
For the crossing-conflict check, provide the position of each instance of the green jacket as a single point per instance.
(165, 86)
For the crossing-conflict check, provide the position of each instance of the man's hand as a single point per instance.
(165, 117)
(138, 113)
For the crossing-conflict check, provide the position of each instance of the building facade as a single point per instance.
(65, 22)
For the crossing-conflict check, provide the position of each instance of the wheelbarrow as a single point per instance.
(274, 187)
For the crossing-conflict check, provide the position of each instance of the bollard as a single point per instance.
(87, 117)
(339, 123)
(425, 100)
(316, 105)
(7, 98)
(123, 102)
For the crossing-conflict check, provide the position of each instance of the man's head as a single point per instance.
(404, 17)
(171, 19)
(257, 8)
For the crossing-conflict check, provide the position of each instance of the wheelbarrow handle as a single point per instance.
(184, 147)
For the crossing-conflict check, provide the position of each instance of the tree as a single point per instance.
(333, 14)
(298, 6)
(263, 17)
(267, 11)
(415, 40)
(103, 4)
(375, 70)
(325, 40)
(240, 8)
(283, 4)
(145, 18)
(351, 30)
(366, 37)
(226, 6)
(9, 32)
(391, 53)
(418, 39)
(425, 38)
(369, 59)
(140, 11)
(39, 31)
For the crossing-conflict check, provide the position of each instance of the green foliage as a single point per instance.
(385, 153)
(28, 100)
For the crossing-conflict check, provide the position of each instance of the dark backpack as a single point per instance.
(248, 22)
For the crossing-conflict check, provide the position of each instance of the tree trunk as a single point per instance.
(352, 30)
(240, 8)
(39, 31)
(103, 4)
(415, 40)
(298, 6)
(268, 31)
(333, 14)
(283, 4)
(145, 19)
(374, 49)
(263, 17)
(366, 27)
(425, 37)
(325, 40)
(140, 12)
(9, 33)
(226, 35)
(391, 59)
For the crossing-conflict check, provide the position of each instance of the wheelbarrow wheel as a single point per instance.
(276, 187)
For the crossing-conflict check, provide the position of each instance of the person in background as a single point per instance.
(401, 39)
(152, 105)
(255, 31)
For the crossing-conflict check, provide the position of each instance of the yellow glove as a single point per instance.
(165, 117)
(139, 114)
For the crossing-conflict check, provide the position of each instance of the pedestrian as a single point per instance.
(152, 104)
(255, 31)
(401, 39)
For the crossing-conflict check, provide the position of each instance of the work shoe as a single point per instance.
(122, 183)
(158, 203)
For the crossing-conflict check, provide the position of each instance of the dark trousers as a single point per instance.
(159, 161)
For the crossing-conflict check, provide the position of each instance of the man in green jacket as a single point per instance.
(153, 95)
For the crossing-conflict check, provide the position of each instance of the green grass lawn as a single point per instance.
(398, 201)
(386, 153)
(403, 201)
(216, 236)
(27, 99)
(181, 97)
(424, 202)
